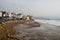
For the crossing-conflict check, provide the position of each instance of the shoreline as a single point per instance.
(8, 27)
(27, 31)
(44, 21)
(44, 32)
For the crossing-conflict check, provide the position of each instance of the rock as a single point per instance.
(33, 24)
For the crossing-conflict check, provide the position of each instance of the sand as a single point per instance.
(7, 31)
(33, 31)
(44, 32)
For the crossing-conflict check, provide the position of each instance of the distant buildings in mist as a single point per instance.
(14, 16)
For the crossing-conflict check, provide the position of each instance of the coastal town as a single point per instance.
(29, 19)
(5, 16)
(11, 22)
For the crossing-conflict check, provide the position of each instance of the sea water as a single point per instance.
(53, 22)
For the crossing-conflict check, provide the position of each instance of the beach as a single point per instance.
(29, 19)
(44, 32)
(8, 32)
(16, 30)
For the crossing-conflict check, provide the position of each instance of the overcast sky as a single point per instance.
(40, 8)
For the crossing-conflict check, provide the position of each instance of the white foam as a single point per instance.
(53, 22)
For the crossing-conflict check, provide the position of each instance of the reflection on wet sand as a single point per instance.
(44, 32)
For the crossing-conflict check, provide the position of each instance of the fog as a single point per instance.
(38, 8)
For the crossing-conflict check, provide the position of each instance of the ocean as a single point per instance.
(53, 22)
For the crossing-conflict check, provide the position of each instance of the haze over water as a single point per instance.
(38, 8)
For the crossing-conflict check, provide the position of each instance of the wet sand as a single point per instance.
(44, 32)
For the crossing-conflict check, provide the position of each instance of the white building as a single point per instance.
(10, 15)
(0, 14)
(19, 16)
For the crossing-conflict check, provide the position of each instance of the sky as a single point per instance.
(38, 8)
